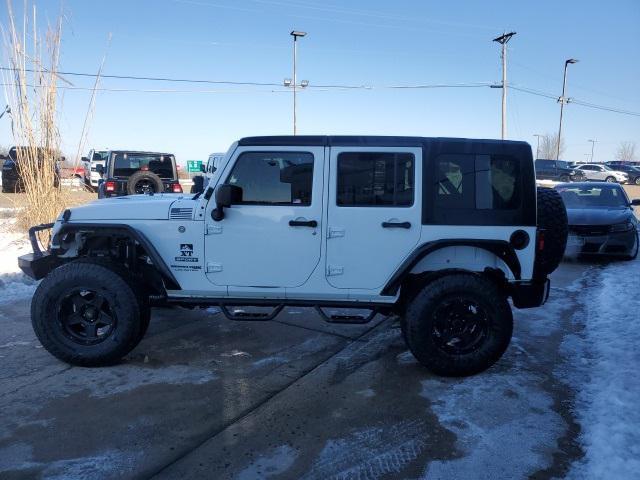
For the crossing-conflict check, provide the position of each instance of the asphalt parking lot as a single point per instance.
(205, 397)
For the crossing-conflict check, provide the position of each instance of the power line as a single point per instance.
(577, 102)
(323, 87)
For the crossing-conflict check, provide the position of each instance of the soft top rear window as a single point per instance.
(126, 164)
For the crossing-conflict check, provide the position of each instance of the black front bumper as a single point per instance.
(37, 267)
(530, 294)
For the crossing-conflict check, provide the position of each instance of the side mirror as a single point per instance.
(226, 195)
(100, 169)
(635, 202)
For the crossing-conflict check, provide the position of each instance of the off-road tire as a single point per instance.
(552, 220)
(120, 297)
(419, 320)
(151, 177)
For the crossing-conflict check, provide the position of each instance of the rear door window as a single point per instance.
(372, 179)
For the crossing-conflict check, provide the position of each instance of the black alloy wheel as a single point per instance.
(145, 186)
(460, 326)
(86, 317)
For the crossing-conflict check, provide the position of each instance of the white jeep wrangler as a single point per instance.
(440, 232)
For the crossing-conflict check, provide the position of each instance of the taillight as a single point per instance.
(110, 186)
(540, 240)
(177, 188)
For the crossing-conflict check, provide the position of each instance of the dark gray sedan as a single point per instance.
(601, 219)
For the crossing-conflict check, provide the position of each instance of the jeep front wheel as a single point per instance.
(458, 325)
(86, 314)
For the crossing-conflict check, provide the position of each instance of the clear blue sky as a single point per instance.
(366, 42)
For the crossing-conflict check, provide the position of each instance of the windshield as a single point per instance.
(126, 164)
(99, 156)
(587, 197)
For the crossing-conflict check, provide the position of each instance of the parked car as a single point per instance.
(601, 219)
(599, 172)
(615, 163)
(557, 170)
(632, 171)
(91, 161)
(128, 172)
(12, 180)
(441, 232)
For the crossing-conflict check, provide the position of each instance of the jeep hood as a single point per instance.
(132, 207)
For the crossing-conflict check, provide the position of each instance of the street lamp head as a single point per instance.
(295, 34)
(304, 83)
(571, 60)
(287, 82)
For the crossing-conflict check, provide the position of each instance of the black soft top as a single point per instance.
(366, 141)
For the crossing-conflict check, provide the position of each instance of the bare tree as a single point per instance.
(626, 151)
(549, 146)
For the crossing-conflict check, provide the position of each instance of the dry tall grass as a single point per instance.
(31, 91)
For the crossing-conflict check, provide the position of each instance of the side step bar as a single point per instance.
(350, 319)
(245, 316)
(266, 316)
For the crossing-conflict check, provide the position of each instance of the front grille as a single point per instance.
(181, 213)
(587, 230)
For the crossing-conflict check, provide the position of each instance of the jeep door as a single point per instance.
(374, 213)
(272, 238)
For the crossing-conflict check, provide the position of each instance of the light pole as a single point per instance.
(562, 101)
(295, 34)
(503, 40)
(537, 135)
(593, 144)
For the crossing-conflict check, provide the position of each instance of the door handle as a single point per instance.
(406, 225)
(303, 223)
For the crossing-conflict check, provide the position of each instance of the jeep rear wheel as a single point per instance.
(86, 314)
(458, 325)
(553, 223)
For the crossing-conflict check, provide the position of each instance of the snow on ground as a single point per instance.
(609, 384)
(14, 284)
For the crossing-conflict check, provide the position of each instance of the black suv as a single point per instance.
(131, 173)
(630, 168)
(557, 170)
(11, 176)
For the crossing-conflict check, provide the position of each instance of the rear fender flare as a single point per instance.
(500, 248)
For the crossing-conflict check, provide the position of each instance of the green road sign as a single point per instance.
(194, 165)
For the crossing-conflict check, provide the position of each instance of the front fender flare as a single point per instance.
(121, 229)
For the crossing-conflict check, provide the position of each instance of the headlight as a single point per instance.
(622, 227)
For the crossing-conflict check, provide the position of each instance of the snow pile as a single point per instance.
(607, 404)
(13, 283)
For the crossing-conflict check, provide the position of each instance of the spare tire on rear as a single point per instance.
(144, 182)
(553, 227)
